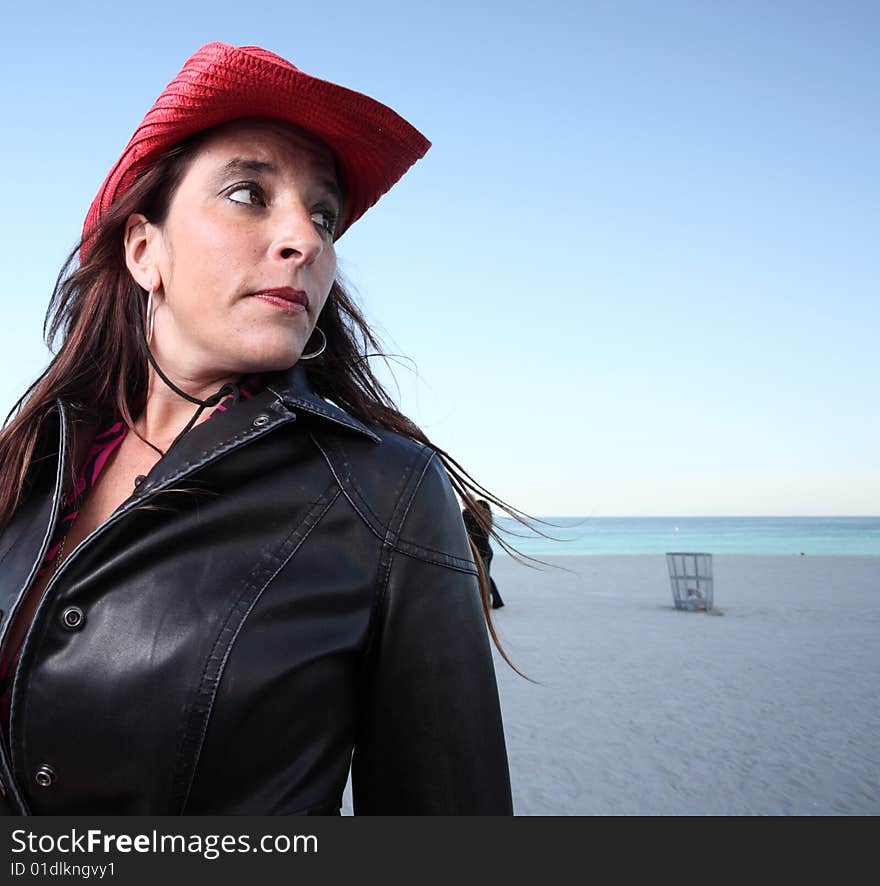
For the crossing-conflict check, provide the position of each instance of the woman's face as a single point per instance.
(245, 255)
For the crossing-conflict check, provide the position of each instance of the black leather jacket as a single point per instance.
(287, 586)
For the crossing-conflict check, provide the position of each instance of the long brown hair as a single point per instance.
(100, 368)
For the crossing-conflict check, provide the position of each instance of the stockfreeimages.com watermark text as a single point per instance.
(209, 846)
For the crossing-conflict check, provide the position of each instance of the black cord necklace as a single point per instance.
(213, 400)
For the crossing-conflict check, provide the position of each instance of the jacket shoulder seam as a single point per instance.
(438, 558)
(339, 465)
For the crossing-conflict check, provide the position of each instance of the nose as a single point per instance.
(297, 239)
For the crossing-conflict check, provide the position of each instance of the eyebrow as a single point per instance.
(238, 165)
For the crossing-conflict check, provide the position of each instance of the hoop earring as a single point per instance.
(320, 350)
(150, 317)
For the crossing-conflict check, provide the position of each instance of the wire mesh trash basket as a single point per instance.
(691, 578)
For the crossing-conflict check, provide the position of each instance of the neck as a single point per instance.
(166, 413)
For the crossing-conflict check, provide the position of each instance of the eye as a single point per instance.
(248, 194)
(326, 219)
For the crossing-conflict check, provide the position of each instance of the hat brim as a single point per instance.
(373, 146)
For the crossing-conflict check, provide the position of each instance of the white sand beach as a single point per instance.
(772, 708)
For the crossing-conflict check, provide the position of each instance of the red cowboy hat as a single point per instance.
(373, 145)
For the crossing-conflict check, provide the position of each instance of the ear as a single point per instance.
(139, 244)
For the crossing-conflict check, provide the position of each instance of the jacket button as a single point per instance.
(73, 618)
(45, 776)
(261, 420)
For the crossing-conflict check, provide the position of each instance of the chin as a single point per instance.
(269, 356)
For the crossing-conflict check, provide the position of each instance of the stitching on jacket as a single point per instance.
(191, 741)
(383, 574)
(15, 542)
(345, 481)
(391, 535)
(345, 491)
(316, 409)
(423, 552)
(324, 412)
(394, 531)
(395, 524)
(26, 641)
(352, 491)
(215, 453)
(418, 486)
(448, 560)
(411, 547)
(351, 481)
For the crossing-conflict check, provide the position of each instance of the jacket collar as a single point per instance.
(293, 388)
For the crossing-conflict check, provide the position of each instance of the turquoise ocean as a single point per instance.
(717, 535)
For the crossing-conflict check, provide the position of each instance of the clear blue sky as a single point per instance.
(637, 273)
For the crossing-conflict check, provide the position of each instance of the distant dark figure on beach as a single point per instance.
(480, 538)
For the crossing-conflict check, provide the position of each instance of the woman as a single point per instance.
(229, 568)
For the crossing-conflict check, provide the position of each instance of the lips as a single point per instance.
(286, 293)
